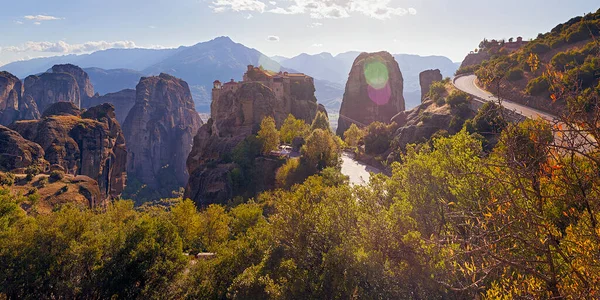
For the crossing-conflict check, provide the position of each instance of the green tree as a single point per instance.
(353, 135)
(293, 128)
(320, 122)
(268, 134)
(321, 150)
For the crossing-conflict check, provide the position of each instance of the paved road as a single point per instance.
(467, 84)
(358, 172)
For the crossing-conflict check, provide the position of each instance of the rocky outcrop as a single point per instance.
(62, 109)
(426, 78)
(17, 152)
(159, 130)
(86, 89)
(474, 59)
(123, 101)
(11, 92)
(239, 113)
(422, 122)
(87, 143)
(50, 88)
(373, 91)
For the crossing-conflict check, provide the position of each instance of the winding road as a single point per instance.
(359, 173)
(467, 84)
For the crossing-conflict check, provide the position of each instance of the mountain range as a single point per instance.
(221, 58)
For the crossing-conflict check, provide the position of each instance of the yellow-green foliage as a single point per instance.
(293, 128)
(268, 134)
(353, 135)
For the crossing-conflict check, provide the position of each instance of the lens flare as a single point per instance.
(380, 96)
(377, 77)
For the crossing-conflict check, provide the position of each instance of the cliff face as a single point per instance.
(373, 91)
(474, 59)
(236, 115)
(159, 130)
(11, 92)
(17, 152)
(123, 101)
(90, 144)
(50, 88)
(239, 113)
(86, 89)
(426, 78)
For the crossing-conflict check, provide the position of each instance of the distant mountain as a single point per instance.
(110, 81)
(135, 59)
(221, 58)
(279, 58)
(336, 69)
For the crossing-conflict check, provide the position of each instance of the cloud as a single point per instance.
(314, 25)
(238, 5)
(273, 38)
(63, 47)
(249, 16)
(152, 27)
(37, 23)
(336, 9)
(41, 18)
(317, 45)
(18, 22)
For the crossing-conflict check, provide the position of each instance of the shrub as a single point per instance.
(33, 170)
(539, 48)
(457, 97)
(288, 174)
(293, 128)
(562, 60)
(581, 33)
(436, 89)
(353, 135)
(42, 182)
(514, 74)
(378, 137)
(537, 86)
(7, 179)
(57, 175)
(557, 43)
(439, 101)
(320, 122)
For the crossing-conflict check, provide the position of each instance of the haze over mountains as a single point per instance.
(221, 58)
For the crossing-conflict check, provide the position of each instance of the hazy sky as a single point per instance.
(32, 28)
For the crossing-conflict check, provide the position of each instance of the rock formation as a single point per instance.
(426, 78)
(373, 91)
(17, 152)
(89, 143)
(236, 113)
(49, 88)
(159, 130)
(123, 101)
(11, 92)
(474, 59)
(86, 89)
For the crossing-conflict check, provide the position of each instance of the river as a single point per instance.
(358, 172)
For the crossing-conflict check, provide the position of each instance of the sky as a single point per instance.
(35, 28)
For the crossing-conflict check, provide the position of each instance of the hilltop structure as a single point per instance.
(289, 90)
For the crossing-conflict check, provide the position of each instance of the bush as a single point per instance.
(7, 179)
(33, 170)
(353, 135)
(457, 98)
(537, 86)
(289, 174)
(539, 48)
(57, 175)
(268, 134)
(514, 74)
(378, 137)
(42, 182)
(436, 89)
(581, 33)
